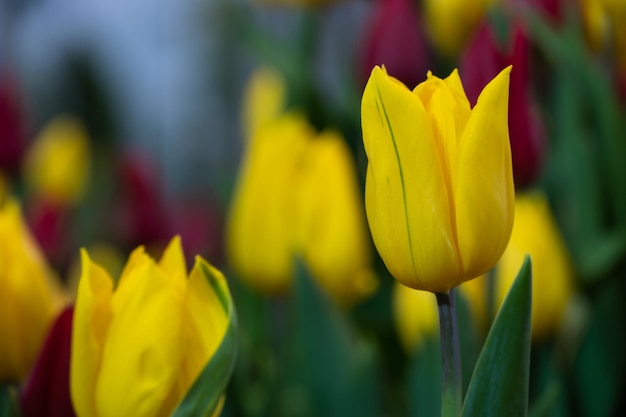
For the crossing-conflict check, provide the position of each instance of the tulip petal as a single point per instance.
(172, 262)
(407, 205)
(484, 192)
(207, 317)
(260, 224)
(92, 317)
(142, 353)
(333, 229)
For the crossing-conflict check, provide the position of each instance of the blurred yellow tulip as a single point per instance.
(439, 191)
(139, 343)
(261, 223)
(29, 299)
(450, 23)
(57, 164)
(264, 100)
(535, 233)
(415, 316)
(297, 196)
(333, 238)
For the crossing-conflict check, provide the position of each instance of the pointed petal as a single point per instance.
(485, 193)
(173, 264)
(207, 318)
(407, 206)
(92, 317)
(142, 353)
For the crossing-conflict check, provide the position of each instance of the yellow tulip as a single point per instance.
(450, 23)
(439, 190)
(535, 233)
(333, 238)
(260, 231)
(415, 316)
(297, 196)
(264, 100)
(57, 164)
(28, 299)
(140, 342)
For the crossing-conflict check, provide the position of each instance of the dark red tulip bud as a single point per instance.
(484, 59)
(395, 39)
(46, 392)
(12, 135)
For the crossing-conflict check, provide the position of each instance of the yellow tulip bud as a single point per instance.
(439, 190)
(57, 164)
(415, 315)
(450, 23)
(332, 229)
(260, 230)
(28, 299)
(139, 343)
(535, 233)
(298, 196)
(264, 100)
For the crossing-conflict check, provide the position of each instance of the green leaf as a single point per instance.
(600, 365)
(499, 385)
(8, 401)
(424, 379)
(204, 395)
(331, 365)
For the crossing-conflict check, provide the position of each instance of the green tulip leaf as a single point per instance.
(8, 401)
(499, 384)
(205, 394)
(334, 367)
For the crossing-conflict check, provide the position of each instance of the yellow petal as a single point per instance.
(333, 229)
(535, 233)
(263, 101)
(92, 317)
(207, 317)
(57, 165)
(143, 351)
(484, 192)
(261, 217)
(173, 264)
(405, 198)
(27, 304)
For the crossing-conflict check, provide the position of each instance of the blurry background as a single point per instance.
(140, 109)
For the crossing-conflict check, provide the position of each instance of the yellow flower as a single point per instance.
(57, 164)
(264, 100)
(439, 190)
(450, 23)
(415, 316)
(297, 196)
(29, 299)
(260, 230)
(333, 238)
(140, 342)
(535, 233)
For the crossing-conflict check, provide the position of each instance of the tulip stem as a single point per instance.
(451, 376)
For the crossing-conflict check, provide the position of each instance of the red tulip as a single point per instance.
(482, 60)
(46, 393)
(12, 135)
(395, 40)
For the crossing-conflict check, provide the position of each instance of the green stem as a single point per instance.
(451, 376)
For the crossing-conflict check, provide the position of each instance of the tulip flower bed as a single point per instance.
(301, 209)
